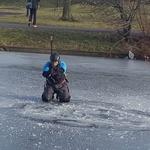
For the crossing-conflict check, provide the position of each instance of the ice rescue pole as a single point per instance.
(51, 43)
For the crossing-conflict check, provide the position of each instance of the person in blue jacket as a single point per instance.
(54, 71)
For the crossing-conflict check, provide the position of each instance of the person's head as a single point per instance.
(55, 58)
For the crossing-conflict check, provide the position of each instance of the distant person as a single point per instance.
(33, 12)
(27, 12)
(27, 8)
(56, 82)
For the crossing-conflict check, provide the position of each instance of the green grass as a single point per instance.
(86, 17)
(51, 16)
(62, 40)
(84, 41)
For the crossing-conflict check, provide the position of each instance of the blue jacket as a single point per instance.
(62, 65)
(55, 75)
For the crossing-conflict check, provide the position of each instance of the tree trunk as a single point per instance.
(57, 3)
(66, 10)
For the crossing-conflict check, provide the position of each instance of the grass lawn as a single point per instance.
(51, 16)
(63, 40)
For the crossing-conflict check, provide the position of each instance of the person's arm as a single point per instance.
(46, 70)
(62, 67)
(61, 70)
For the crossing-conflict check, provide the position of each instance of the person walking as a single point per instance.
(33, 12)
(56, 83)
(27, 12)
(27, 8)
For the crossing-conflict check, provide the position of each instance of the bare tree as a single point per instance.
(127, 9)
(127, 15)
(130, 13)
(142, 44)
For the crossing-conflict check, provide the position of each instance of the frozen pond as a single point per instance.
(109, 109)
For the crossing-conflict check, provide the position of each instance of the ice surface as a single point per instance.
(110, 104)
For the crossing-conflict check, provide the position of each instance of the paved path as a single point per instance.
(54, 28)
(58, 28)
